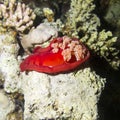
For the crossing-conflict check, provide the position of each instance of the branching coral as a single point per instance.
(103, 44)
(16, 15)
(82, 23)
(79, 18)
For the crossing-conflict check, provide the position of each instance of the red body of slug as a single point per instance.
(54, 58)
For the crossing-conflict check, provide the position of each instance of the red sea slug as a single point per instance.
(63, 54)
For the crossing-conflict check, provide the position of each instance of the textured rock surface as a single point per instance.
(6, 105)
(9, 67)
(62, 96)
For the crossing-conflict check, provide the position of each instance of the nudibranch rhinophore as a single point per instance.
(62, 54)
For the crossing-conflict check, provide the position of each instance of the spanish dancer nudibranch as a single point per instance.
(62, 54)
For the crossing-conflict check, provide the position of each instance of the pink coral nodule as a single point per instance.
(63, 54)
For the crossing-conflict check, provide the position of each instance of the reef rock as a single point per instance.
(6, 105)
(9, 67)
(62, 96)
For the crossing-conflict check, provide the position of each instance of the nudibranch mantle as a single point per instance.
(62, 54)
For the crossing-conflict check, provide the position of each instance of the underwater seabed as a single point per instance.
(76, 44)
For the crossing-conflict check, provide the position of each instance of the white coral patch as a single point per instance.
(39, 35)
(17, 15)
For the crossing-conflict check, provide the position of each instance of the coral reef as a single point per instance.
(80, 20)
(84, 24)
(103, 44)
(72, 95)
(17, 15)
(47, 96)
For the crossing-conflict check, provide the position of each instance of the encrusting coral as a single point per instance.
(16, 15)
